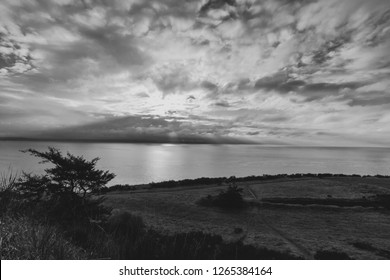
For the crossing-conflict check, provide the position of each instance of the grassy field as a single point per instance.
(303, 230)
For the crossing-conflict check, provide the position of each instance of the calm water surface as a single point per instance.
(144, 163)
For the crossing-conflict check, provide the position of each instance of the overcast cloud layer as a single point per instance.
(295, 71)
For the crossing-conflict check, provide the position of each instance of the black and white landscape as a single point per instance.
(187, 104)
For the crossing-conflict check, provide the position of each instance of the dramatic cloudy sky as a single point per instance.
(291, 71)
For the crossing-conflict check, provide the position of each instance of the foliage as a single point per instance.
(64, 193)
(125, 232)
(233, 179)
(22, 238)
(7, 191)
(54, 211)
(8, 181)
(125, 226)
(71, 173)
(231, 198)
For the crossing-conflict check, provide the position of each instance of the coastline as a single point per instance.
(231, 179)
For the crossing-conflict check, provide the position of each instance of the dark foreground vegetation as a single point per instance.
(59, 216)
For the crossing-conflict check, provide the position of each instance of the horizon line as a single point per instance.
(125, 141)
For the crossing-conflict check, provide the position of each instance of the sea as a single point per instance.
(146, 163)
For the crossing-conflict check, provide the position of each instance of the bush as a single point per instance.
(125, 226)
(64, 193)
(125, 232)
(70, 208)
(227, 199)
(70, 173)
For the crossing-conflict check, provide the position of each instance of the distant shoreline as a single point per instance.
(125, 141)
(232, 179)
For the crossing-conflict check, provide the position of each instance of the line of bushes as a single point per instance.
(229, 180)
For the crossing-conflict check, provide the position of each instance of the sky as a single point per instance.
(297, 72)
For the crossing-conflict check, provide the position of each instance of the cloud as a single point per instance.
(270, 68)
(209, 86)
(145, 128)
(14, 57)
(173, 79)
(143, 95)
(122, 48)
(280, 81)
(222, 104)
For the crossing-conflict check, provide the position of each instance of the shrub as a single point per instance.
(125, 226)
(125, 232)
(228, 199)
(70, 208)
(64, 193)
(71, 173)
(231, 198)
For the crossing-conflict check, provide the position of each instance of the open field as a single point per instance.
(360, 232)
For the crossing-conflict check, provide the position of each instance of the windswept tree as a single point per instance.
(71, 173)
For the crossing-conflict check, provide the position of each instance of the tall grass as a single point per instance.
(8, 181)
(22, 238)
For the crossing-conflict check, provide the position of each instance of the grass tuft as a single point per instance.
(22, 238)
